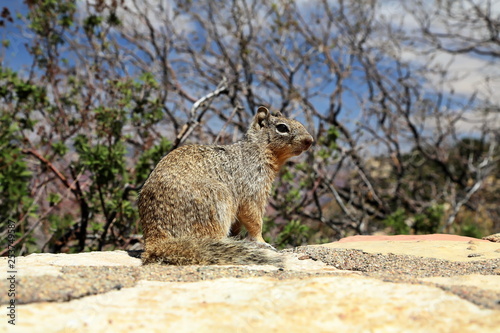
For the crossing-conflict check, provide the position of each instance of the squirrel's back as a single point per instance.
(198, 195)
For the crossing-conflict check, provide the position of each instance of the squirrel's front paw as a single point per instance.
(264, 245)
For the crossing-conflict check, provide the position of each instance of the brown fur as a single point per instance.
(198, 194)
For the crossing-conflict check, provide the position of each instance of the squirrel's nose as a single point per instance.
(307, 142)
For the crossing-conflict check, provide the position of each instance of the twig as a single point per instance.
(111, 217)
(340, 202)
(195, 119)
(480, 176)
(51, 166)
(235, 109)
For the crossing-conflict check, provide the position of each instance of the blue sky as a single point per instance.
(16, 55)
(471, 68)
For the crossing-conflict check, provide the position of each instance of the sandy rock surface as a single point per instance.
(370, 285)
(493, 238)
(439, 246)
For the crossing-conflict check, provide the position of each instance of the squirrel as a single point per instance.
(199, 195)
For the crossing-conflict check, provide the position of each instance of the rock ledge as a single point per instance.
(361, 284)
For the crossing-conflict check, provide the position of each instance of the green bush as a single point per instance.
(397, 222)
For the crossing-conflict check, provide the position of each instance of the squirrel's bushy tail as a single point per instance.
(206, 251)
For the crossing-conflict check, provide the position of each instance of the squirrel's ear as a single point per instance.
(278, 114)
(261, 118)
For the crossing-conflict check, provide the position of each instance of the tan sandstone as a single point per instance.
(112, 292)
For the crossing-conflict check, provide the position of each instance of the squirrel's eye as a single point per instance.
(282, 128)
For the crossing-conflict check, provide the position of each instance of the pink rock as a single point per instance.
(431, 237)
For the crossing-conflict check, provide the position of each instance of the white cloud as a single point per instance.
(467, 73)
(470, 123)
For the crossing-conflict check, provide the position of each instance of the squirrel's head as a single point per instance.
(283, 137)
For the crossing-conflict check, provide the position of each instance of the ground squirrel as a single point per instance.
(198, 196)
